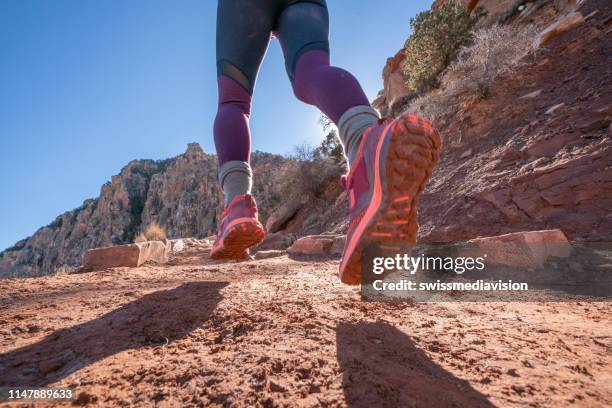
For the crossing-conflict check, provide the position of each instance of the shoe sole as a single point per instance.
(406, 155)
(238, 239)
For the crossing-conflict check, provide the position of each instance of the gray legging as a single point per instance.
(243, 34)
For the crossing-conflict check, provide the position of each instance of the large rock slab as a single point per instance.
(132, 255)
(313, 245)
(528, 249)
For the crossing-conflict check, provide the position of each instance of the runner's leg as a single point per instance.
(303, 30)
(243, 34)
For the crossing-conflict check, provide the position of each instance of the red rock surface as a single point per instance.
(534, 155)
(394, 82)
(525, 249)
(560, 26)
(507, 165)
(314, 245)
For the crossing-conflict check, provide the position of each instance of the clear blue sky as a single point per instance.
(88, 85)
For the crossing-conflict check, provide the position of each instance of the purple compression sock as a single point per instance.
(331, 89)
(231, 129)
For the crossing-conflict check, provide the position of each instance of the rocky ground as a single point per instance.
(283, 332)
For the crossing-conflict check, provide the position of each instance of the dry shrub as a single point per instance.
(153, 232)
(64, 270)
(309, 173)
(493, 52)
(432, 105)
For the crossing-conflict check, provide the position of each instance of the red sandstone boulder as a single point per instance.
(529, 249)
(312, 245)
(132, 255)
(282, 214)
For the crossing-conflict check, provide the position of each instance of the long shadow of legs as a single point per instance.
(161, 316)
(383, 368)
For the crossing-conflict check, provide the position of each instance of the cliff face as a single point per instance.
(181, 194)
(394, 84)
(184, 197)
(394, 95)
(536, 153)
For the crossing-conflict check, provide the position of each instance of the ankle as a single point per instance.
(236, 178)
(351, 127)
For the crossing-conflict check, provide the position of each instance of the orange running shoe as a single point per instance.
(392, 167)
(239, 230)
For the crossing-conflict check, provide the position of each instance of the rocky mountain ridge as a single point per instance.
(181, 194)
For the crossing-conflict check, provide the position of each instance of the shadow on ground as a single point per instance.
(382, 367)
(154, 319)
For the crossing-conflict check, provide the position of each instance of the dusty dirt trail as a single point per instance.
(280, 332)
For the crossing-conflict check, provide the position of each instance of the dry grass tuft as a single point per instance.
(153, 232)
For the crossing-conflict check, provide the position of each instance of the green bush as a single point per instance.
(436, 37)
